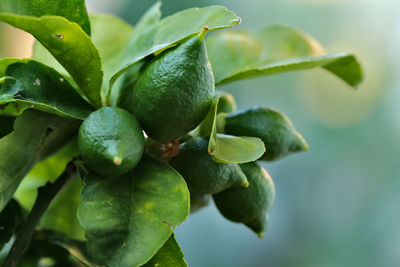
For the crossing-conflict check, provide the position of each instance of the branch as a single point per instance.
(46, 194)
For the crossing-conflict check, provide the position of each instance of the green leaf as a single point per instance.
(70, 45)
(127, 219)
(45, 171)
(111, 36)
(10, 219)
(237, 55)
(75, 247)
(169, 255)
(62, 214)
(228, 148)
(35, 136)
(174, 29)
(119, 94)
(30, 84)
(73, 10)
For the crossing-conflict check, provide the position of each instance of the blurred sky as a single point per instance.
(337, 204)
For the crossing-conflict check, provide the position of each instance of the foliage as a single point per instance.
(83, 63)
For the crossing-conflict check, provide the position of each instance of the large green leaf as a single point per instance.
(111, 36)
(62, 213)
(165, 34)
(29, 84)
(119, 94)
(237, 55)
(228, 148)
(127, 219)
(170, 254)
(73, 10)
(35, 136)
(70, 45)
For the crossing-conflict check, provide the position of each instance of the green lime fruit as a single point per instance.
(198, 202)
(111, 141)
(272, 127)
(226, 103)
(174, 93)
(203, 175)
(250, 205)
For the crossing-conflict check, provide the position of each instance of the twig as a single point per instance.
(46, 194)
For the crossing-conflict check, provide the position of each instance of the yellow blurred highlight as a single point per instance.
(336, 104)
(16, 43)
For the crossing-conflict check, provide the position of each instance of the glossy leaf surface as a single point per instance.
(170, 254)
(29, 84)
(35, 136)
(70, 45)
(127, 219)
(165, 34)
(228, 148)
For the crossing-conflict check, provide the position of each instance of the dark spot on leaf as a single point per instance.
(58, 36)
(49, 130)
(210, 151)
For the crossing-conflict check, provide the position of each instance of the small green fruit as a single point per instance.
(274, 129)
(226, 103)
(111, 141)
(174, 92)
(249, 205)
(203, 175)
(198, 202)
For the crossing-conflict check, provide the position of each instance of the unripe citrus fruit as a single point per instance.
(111, 141)
(249, 205)
(203, 175)
(272, 127)
(174, 92)
(226, 103)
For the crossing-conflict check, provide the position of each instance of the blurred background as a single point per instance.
(337, 204)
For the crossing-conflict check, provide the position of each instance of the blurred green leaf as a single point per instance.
(127, 219)
(228, 148)
(273, 50)
(170, 254)
(10, 219)
(75, 247)
(70, 45)
(45, 171)
(30, 84)
(35, 136)
(110, 35)
(62, 214)
(165, 33)
(73, 10)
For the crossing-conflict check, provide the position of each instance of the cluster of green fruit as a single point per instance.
(171, 97)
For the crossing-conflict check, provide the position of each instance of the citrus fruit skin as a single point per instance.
(174, 92)
(111, 141)
(203, 175)
(226, 103)
(272, 127)
(249, 205)
(198, 202)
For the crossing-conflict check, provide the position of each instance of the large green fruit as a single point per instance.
(249, 205)
(203, 175)
(111, 141)
(274, 129)
(173, 94)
